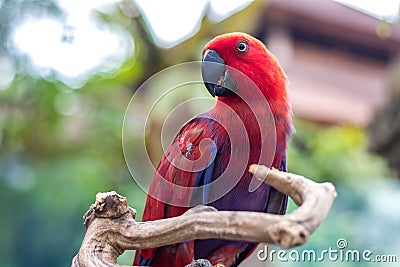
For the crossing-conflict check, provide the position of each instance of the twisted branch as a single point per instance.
(111, 227)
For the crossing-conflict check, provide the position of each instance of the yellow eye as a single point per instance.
(242, 46)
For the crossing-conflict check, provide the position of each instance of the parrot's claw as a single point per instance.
(200, 263)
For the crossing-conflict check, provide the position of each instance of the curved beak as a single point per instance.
(216, 77)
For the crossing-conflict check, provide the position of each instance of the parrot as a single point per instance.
(249, 85)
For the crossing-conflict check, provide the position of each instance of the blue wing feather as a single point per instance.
(204, 177)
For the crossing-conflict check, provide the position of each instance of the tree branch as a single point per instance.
(111, 228)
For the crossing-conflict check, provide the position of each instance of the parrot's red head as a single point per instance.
(236, 67)
(250, 57)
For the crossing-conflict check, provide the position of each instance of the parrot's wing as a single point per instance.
(204, 178)
(188, 163)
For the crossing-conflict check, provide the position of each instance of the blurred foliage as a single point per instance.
(337, 153)
(60, 146)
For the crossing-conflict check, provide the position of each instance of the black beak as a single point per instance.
(216, 77)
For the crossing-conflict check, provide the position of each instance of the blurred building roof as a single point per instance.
(337, 58)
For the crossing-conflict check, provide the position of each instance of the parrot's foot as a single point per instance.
(200, 263)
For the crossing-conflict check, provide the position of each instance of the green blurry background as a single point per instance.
(60, 144)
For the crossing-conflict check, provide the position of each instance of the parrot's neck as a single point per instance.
(255, 116)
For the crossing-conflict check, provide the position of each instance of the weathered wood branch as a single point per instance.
(111, 228)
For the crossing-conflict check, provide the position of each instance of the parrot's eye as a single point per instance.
(242, 46)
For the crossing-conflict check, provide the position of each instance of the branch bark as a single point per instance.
(111, 228)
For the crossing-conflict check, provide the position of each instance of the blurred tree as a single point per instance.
(58, 147)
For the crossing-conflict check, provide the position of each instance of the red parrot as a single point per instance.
(253, 111)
